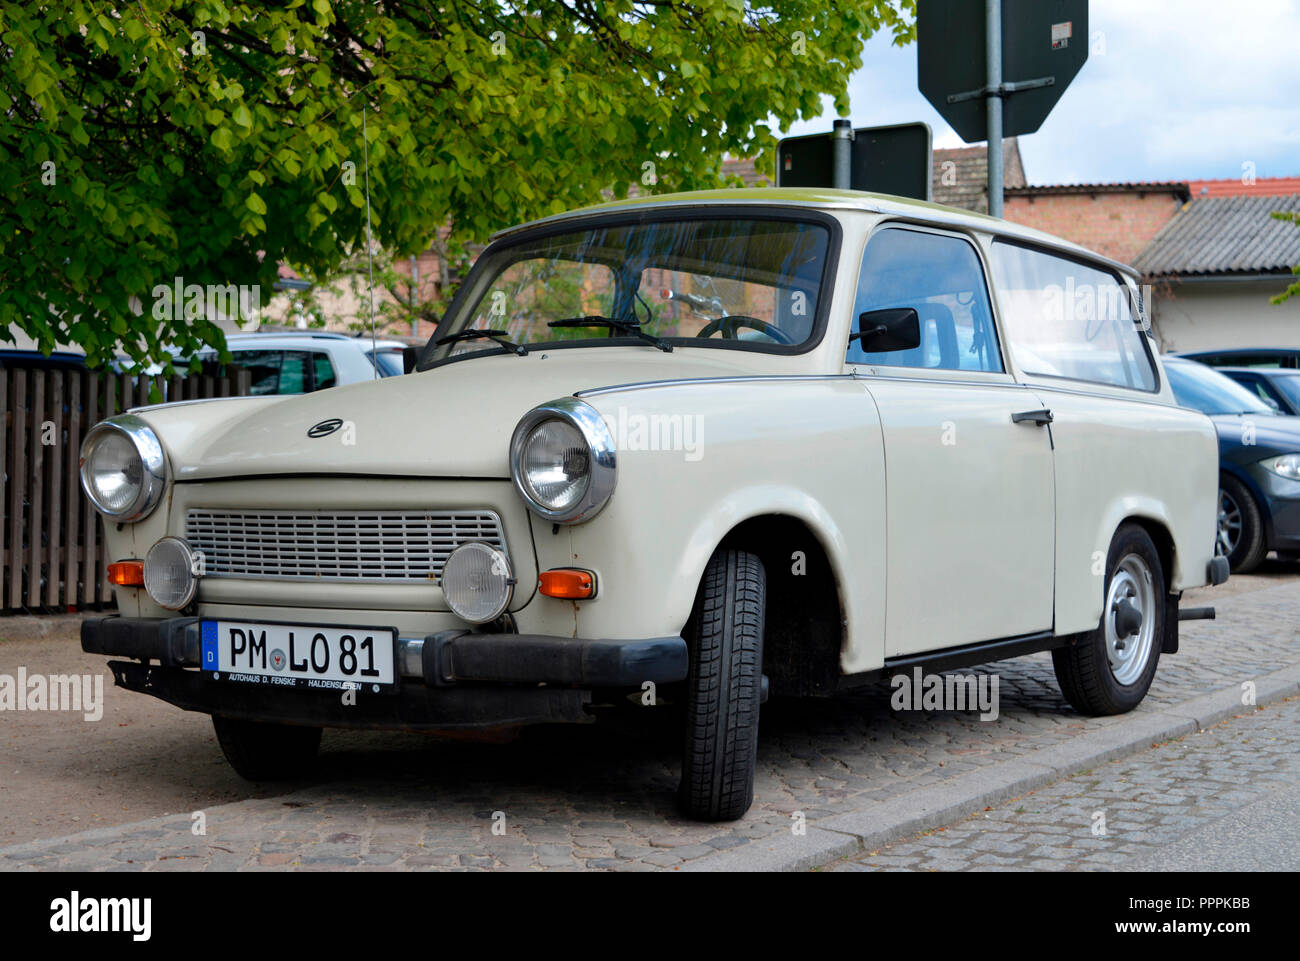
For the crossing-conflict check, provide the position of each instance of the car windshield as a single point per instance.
(1289, 386)
(690, 281)
(1197, 386)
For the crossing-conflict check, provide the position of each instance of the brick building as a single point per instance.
(1118, 220)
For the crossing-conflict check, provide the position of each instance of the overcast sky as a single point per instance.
(1185, 89)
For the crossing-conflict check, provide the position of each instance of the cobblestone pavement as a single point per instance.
(602, 796)
(1219, 800)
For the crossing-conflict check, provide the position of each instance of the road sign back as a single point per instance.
(886, 160)
(1044, 46)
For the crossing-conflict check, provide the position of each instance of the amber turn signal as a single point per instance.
(126, 573)
(568, 583)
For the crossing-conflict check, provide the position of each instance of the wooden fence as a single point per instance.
(53, 550)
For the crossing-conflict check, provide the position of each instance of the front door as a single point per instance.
(969, 487)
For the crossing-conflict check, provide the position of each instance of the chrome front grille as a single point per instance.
(377, 546)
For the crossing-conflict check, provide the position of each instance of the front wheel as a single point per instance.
(1109, 670)
(724, 688)
(260, 751)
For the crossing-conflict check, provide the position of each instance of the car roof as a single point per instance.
(828, 199)
(1243, 351)
(1265, 371)
(308, 339)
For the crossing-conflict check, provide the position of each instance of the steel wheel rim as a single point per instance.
(1130, 584)
(1229, 523)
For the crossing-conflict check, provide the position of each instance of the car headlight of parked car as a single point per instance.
(562, 461)
(1287, 465)
(123, 468)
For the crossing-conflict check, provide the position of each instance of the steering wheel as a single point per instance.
(728, 325)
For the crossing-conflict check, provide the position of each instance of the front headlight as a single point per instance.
(562, 461)
(1288, 466)
(123, 468)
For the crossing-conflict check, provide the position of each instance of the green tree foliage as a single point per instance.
(1294, 289)
(211, 139)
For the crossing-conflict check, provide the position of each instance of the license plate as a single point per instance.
(296, 655)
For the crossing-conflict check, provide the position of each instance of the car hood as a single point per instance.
(452, 421)
(1244, 438)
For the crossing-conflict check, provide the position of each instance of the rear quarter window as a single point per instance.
(1068, 319)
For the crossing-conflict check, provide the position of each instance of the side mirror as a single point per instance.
(410, 357)
(881, 331)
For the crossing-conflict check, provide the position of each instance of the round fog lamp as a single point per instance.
(477, 583)
(169, 573)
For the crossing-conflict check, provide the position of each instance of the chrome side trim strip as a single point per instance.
(681, 382)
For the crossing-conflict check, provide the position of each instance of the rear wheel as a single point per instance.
(259, 751)
(1241, 527)
(724, 688)
(1109, 670)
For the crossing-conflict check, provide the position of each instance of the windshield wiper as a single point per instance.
(626, 327)
(499, 337)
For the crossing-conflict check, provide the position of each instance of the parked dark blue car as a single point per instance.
(1259, 465)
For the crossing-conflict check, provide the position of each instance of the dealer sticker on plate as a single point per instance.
(292, 655)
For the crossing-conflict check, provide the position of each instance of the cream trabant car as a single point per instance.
(688, 450)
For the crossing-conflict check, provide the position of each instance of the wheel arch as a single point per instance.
(805, 632)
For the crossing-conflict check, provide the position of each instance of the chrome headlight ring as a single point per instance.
(601, 468)
(152, 463)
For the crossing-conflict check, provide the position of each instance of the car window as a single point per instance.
(1288, 385)
(293, 375)
(323, 371)
(1257, 386)
(264, 368)
(941, 278)
(1201, 388)
(1063, 318)
(389, 362)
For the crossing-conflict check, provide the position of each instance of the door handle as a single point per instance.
(1040, 417)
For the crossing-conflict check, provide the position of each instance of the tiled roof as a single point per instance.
(1225, 235)
(1262, 187)
(961, 175)
(1180, 190)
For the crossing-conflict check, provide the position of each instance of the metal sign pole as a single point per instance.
(993, 40)
(842, 154)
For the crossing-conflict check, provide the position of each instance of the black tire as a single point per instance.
(723, 688)
(1251, 546)
(1083, 668)
(259, 751)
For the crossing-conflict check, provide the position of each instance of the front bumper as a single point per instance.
(450, 680)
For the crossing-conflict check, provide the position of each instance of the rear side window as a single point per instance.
(263, 367)
(941, 278)
(1063, 318)
(323, 371)
(293, 375)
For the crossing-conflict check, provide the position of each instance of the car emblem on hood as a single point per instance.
(325, 428)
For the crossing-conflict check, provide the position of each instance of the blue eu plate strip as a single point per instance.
(210, 659)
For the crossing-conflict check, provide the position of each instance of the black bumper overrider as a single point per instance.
(452, 680)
